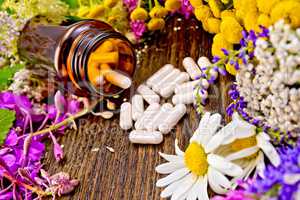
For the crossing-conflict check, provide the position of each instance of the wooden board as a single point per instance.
(128, 174)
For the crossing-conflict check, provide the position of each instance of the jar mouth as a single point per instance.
(91, 46)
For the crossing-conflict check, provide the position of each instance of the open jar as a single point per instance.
(90, 57)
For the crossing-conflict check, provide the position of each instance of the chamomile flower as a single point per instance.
(239, 142)
(191, 172)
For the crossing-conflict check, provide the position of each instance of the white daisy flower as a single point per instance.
(191, 172)
(243, 145)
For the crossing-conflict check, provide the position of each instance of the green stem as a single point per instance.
(66, 121)
(150, 4)
(156, 3)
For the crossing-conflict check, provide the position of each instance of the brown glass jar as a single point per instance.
(68, 49)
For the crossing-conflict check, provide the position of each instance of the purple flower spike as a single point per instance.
(222, 71)
(57, 150)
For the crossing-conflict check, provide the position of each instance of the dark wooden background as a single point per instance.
(128, 173)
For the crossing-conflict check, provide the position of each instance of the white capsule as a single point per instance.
(167, 79)
(203, 62)
(145, 137)
(148, 114)
(160, 117)
(149, 95)
(191, 67)
(186, 87)
(125, 116)
(137, 107)
(173, 118)
(167, 90)
(184, 98)
(159, 75)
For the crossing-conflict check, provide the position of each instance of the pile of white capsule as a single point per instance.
(151, 123)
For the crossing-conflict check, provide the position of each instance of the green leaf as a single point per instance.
(7, 117)
(71, 3)
(6, 75)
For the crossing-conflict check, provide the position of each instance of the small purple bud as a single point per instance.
(60, 102)
(222, 71)
(58, 152)
(215, 59)
(226, 53)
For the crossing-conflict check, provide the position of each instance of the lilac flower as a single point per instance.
(130, 4)
(138, 28)
(283, 180)
(186, 9)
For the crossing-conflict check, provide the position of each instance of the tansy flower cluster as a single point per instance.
(112, 12)
(228, 19)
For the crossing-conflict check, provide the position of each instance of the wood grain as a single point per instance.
(128, 174)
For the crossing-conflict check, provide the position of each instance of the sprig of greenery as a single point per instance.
(7, 73)
(7, 117)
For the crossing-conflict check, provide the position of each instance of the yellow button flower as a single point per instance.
(215, 6)
(196, 3)
(227, 13)
(231, 29)
(172, 5)
(220, 42)
(264, 20)
(288, 10)
(250, 21)
(158, 12)
(202, 13)
(265, 6)
(243, 7)
(96, 11)
(110, 3)
(212, 25)
(83, 11)
(139, 14)
(156, 24)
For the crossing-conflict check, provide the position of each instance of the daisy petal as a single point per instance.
(243, 129)
(242, 153)
(202, 125)
(215, 141)
(169, 167)
(170, 158)
(224, 165)
(268, 149)
(177, 149)
(178, 174)
(261, 165)
(228, 132)
(203, 195)
(213, 182)
(220, 178)
(212, 126)
(168, 191)
(192, 195)
(186, 185)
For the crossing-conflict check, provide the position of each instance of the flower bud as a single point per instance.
(156, 24)
(139, 14)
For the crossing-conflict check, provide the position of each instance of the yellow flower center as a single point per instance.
(244, 143)
(196, 159)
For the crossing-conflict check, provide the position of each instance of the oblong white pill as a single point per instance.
(173, 118)
(145, 137)
(166, 80)
(159, 75)
(148, 114)
(191, 67)
(184, 98)
(137, 106)
(125, 116)
(168, 90)
(203, 62)
(149, 95)
(186, 87)
(160, 117)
